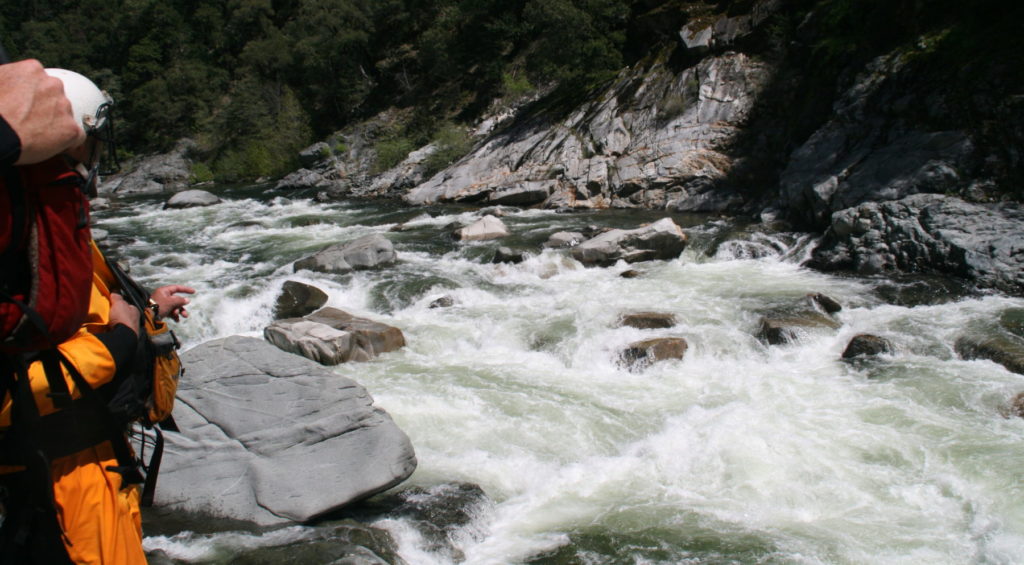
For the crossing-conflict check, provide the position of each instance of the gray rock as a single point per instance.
(191, 199)
(485, 228)
(641, 354)
(268, 437)
(564, 239)
(298, 299)
(331, 336)
(929, 233)
(442, 302)
(662, 240)
(367, 252)
(313, 154)
(647, 320)
(165, 173)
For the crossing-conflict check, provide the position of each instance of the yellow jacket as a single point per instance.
(100, 516)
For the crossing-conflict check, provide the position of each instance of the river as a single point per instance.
(739, 453)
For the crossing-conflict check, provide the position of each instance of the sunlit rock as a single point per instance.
(366, 252)
(331, 336)
(662, 240)
(564, 239)
(643, 353)
(270, 438)
(191, 199)
(487, 227)
(777, 329)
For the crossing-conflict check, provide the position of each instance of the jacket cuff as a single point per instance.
(10, 146)
(121, 342)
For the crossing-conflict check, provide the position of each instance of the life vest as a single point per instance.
(45, 260)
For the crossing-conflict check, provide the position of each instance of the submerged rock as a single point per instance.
(331, 336)
(366, 252)
(268, 437)
(647, 320)
(508, 255)
(1006, 350)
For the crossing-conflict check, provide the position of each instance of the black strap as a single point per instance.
(153, 469)
(127, 464)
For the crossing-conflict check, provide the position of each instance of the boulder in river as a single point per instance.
(366, 252)
(191, 199)
(866, 345)
(331, 336)
(488, 227)
(661, 240)
(640, 354)
(268, 437)
(777, 329)
(298, 299)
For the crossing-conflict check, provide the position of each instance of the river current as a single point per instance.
(739, 453)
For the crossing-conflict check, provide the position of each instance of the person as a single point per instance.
(36, 119)
(96, 518)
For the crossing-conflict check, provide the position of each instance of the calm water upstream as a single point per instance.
(740, 453)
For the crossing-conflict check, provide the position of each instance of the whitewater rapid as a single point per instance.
(739, 453)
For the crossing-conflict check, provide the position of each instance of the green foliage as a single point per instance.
(201, 172)
(515, 85)
(452, 141)
(391, 151)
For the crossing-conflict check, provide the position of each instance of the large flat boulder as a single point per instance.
(269, 437)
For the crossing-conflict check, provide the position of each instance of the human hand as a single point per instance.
(121, 312)
(34, 105)
(169, 303)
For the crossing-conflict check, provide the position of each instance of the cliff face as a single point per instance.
(723, 124)
(654, 139)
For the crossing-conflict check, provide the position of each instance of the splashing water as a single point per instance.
(739, 453)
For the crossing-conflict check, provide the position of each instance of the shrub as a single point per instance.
(200, 172)
(390, 152)
(452, 142)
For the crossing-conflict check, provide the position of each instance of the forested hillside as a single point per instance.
(253, 81)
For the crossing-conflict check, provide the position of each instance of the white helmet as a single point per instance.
(91, 105)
